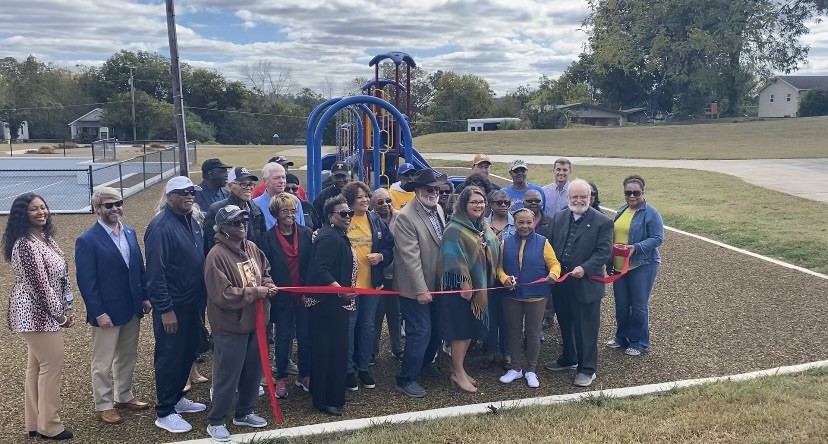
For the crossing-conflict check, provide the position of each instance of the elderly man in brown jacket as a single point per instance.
(237, 274)
(418, 233)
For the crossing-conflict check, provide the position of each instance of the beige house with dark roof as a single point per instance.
(780, 96)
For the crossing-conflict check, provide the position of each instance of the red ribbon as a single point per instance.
(261, 338)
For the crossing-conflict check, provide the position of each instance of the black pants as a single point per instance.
(174, 355)
(389, 308)
(579, 324)
(328, 323)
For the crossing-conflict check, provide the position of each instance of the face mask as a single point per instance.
(234, 233)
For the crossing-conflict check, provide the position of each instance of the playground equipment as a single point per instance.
(373, 136)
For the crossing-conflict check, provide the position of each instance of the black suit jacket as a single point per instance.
(591, 250)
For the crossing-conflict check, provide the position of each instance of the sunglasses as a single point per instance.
(445, 192)
(109, 205)
(532, 201)
(190, 192)
(431, 190)
(291, 189)
(238, 223)
(503, 203)
(345, 214)
(635, 193)
(382, 201)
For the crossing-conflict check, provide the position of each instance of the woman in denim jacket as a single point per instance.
(638, 225)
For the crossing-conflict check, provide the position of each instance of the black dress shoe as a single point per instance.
(64, 435)
(32, 433)
(333, 411)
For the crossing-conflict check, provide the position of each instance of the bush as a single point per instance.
(545, 117)
(43, 150)
(815, 103)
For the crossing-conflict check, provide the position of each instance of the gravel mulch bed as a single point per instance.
(714, 312)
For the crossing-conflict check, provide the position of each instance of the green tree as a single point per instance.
(815, 103)
(458, 98)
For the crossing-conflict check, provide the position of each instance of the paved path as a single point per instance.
(806, 178)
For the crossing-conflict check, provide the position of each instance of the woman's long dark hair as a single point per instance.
(18, 222)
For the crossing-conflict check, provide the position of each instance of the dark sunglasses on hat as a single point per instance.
(109, 205)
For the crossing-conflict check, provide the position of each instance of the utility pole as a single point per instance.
(132, 93)
(178, 98)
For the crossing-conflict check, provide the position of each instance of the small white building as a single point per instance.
(22, 132)
(491, 124)
(89, 123)
(780, 96)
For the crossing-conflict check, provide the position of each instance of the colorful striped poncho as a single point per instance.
(469, 254)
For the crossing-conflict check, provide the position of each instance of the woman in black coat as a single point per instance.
(332, 263)
(288, 249)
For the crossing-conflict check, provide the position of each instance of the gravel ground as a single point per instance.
(713, 312)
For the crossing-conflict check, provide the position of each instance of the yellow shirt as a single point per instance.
(360, 236)
(400, 198)
(621, 235)
(548, 256)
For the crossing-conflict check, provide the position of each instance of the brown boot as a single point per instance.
(110, 417)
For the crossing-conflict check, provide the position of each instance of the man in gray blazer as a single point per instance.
(582, 240)
(418, 233)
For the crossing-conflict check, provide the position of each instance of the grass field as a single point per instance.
(716, 205)
(772, 139)
(777, 409)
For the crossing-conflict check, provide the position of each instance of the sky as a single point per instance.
(324, 44)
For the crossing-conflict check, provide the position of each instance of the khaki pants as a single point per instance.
(115, 351)
(523, 319)
(43, 378)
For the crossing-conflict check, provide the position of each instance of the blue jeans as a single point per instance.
(421, 338)
(632, 306)
(284, 320)
(496, 340)
(361, 333)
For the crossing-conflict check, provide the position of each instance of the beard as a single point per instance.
(579, 208)
(428, 201)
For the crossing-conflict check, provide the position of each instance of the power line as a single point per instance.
(35, 108)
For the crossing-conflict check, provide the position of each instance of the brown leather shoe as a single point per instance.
(110, 417)
(134, 405)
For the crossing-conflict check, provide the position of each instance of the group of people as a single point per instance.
(473, 263)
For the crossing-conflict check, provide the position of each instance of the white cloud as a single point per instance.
(507, 42)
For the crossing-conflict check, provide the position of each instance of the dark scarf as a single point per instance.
(291, 251)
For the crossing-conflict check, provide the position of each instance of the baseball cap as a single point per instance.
(281, 161)
(229, 214)
(180, 183)
(480, 158)
(209, 164)
(518, 164)
(339, 167)
(405, 168)
(239, 174)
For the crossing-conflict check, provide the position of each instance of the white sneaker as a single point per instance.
(173, 423)
(261, 391)
(511, 375)
(250, 420)
(184, 405)
(612, 343)
(218, 433)
(211, 394)
(532, 380)
(632, 351)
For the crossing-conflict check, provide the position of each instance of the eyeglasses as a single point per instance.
(382, 201)
(532, 201)
(477, 203)
(445, 192)
(287, 211)
(109, 205)
(246, 185)
(503, 203)
(345, 214)
(238, 223)
(190, 192)
(635, 193)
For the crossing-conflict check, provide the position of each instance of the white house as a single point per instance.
(490, 124)
(22, 132)
(89, 123)
(780, 96)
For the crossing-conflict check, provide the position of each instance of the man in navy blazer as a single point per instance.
(582, 240)
(110, 276)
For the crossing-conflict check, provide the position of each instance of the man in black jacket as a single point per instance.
(175, 286)
(340, 175)
(241, 184)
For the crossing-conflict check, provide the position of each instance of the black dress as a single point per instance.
(332, 260)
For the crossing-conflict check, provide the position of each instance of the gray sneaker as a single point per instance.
(250, 420)
(555, 367)
(412, 390)
(218, 433)
(582, 380)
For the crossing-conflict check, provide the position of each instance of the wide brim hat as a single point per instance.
(425, 178)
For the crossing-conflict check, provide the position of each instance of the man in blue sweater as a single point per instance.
(175, 285)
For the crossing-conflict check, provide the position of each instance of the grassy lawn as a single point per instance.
(772, 139)
(776, 409)
(715, 205)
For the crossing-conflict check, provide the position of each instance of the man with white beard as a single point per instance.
(582, 240)
(418, 234)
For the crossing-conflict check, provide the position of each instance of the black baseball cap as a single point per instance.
(339, 168)
(239, 174)
(281, 161)
(210, 164)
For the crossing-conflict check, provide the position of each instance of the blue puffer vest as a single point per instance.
(534, 267)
